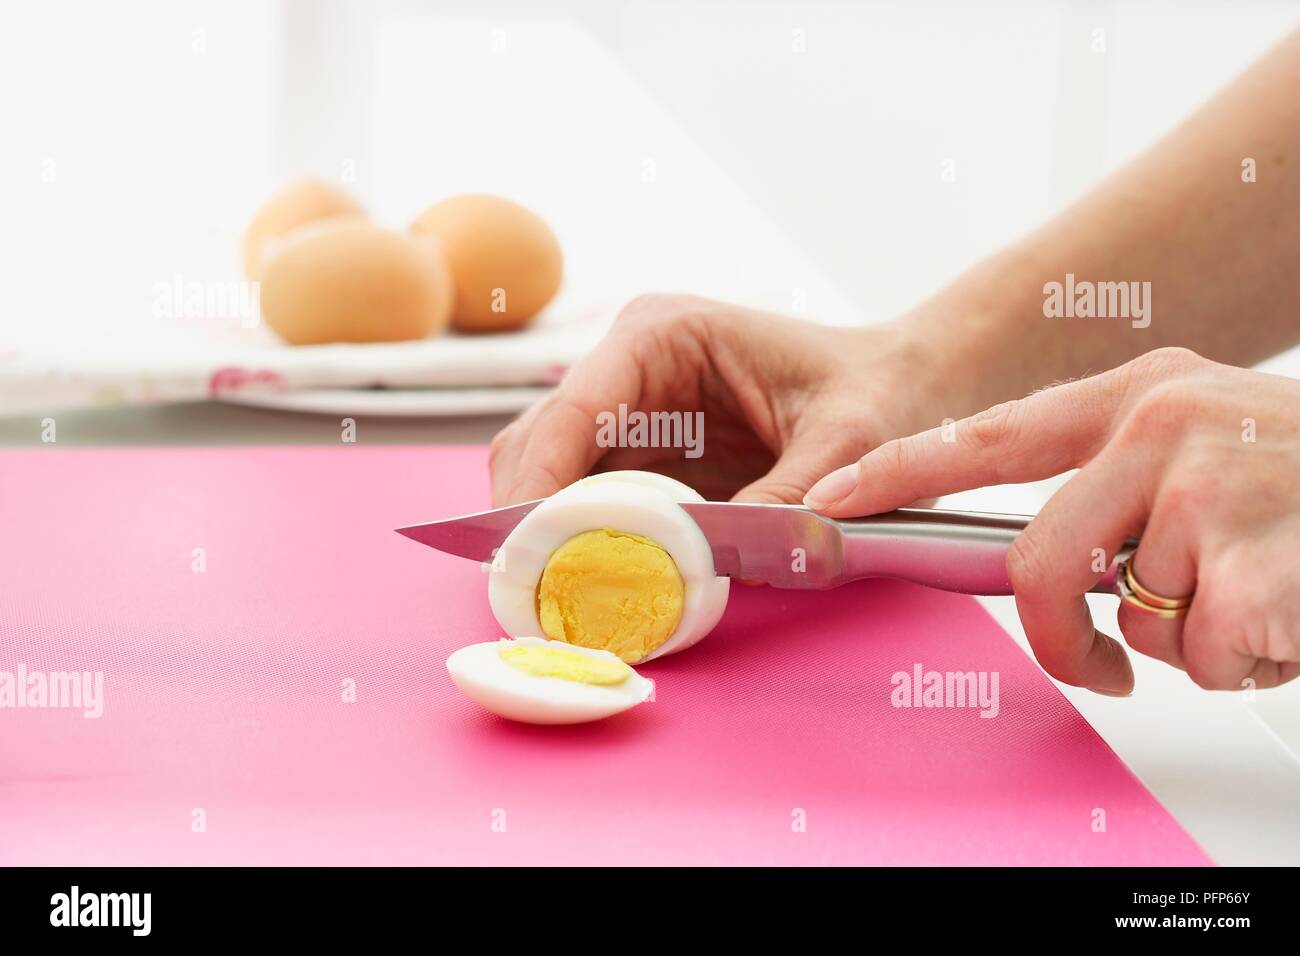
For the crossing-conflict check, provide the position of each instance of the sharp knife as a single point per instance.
(789, 546)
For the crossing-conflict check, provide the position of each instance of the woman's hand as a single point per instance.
(1200, 460)
(782, 401)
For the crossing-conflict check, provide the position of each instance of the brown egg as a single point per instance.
(345, 280)
(505, 261)
(295, 205)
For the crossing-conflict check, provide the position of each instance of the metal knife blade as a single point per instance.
(475, 536)
(751, 541)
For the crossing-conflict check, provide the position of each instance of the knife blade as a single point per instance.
(790, 546)
(735, 532)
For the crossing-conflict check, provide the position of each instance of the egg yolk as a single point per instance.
(564, 664)
(611, 590)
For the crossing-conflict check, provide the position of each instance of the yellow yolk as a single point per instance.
(564, 664)
(611, 590)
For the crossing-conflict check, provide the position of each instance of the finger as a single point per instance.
(1152, 635)
(1240, 624)
(1241, 630)
(1165, 563)
(1045, 434)
(561, 446)
(507, 448)
(1236, 637)
(1058, 558)
(1214, 655)
(1268, 673)
(802, 462)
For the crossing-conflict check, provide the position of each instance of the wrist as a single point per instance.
(980, 341)
(910, 379)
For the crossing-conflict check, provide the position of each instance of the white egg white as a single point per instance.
(484, 677)
(637, 502)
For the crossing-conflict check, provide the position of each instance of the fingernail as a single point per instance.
(833, 488)
(1111, 693)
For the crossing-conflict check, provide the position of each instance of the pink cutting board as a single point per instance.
(225, 737)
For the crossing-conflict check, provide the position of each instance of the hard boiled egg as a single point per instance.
(295, 205)
(351, 281)
(505, 261)
(546, 682)
(612, 563)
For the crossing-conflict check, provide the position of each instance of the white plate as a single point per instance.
(405, 403)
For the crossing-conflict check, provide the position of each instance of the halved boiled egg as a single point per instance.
(546, 682)
(611, 563)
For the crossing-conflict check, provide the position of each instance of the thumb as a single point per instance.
(802, 462)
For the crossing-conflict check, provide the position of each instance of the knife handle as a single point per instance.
(962, 551)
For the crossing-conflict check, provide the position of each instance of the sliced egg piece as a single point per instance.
(612, 563)
(537, 681)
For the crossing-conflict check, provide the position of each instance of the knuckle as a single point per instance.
(1182, 501)
(1205, 459)
(513, 433)
(1025, 563)
(536, 473)
(1281, 641)
(1168, 406)
(1239, 606)
(653, 308)
(992, 428)
(645, 302)
(888, 462)
(1208, 639)
(781, 491)
(1166, 361)
(500, 441)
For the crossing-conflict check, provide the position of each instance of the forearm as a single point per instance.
(1222, 256)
